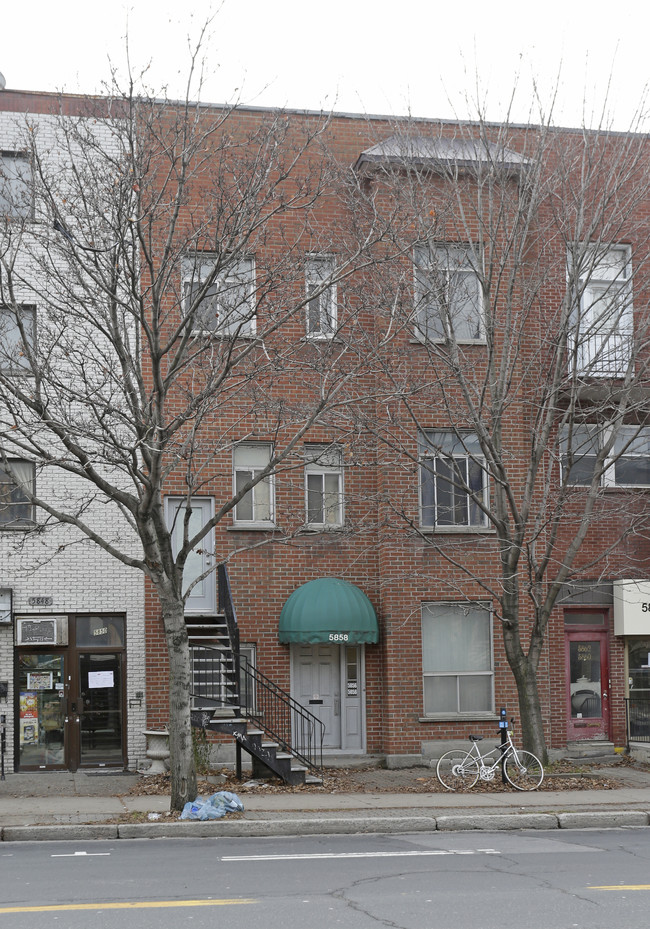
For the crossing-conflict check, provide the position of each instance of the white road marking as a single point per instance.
(322, 855)
(83, 855)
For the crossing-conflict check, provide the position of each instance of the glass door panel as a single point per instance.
(100, 709)
(587, 685)
(41, 685)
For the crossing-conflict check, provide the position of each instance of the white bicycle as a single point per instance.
(460, 770)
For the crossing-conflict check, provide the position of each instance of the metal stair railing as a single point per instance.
(286, 721)
(213, 683)
(227, 608)
(275, 712)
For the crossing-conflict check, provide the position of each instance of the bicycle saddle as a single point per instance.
(476, 738)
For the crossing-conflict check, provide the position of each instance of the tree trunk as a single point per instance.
(182, 765)
(530, 711)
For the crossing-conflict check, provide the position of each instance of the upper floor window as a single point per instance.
(632, 457)
(579, 448)
(627, 465)
(457, 661)
(602, 320)
(321, 297)
(17, 481)
(16, 186)
(256, 508)
(17, 330)
(453, 481)
(226, 305)
(448, 294)
(323, 486)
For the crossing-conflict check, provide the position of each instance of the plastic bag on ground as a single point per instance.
(215, 807)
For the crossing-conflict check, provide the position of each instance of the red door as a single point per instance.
(587, 676)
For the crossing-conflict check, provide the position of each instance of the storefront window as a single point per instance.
(41, 710)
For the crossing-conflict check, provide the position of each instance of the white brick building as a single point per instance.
(72, 618)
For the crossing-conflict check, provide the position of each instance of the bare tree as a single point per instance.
(165, 254)
(520, 311)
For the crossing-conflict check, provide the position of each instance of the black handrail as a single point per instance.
(227, 607)
(637, 712)
(285, 720)
(275, 712)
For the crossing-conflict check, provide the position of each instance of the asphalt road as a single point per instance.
(541, 880)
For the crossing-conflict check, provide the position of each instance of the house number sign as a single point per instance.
(40, 601)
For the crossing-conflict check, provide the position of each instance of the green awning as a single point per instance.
(329, 610)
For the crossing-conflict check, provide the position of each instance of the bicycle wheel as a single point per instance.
(457, 770)
(524, 770)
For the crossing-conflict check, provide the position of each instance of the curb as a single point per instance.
(499, 822)
(495, 822)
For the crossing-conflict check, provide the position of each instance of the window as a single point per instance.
(448, 294)
(580, 458)
(632, 454)
(457, 659)
(256, 506)
(16, 188)
(321, 306)
(16, 482)
(453, 482)
(603, 321)
(228, 306)
(323, 486)
(17, 329)
(628, 465)
(203, 596)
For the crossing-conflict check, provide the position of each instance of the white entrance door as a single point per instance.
(327, 681)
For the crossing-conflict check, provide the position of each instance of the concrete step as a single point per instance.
(344, 760)
(591, 749)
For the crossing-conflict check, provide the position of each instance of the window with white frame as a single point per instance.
(632, 457)
(448, 298)
(17, 333)
(223, 305)
(453, 481)
(321, 297)
(247, 685)
(323, 486)
(457, 661)
(183, 525)
(626, 465)
(579, 447)
(17, 481)
(602, 320)
(256, 507)
(16, 186)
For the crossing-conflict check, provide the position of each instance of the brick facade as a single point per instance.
(382, 547)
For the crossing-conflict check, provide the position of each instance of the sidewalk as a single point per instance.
(88, 805)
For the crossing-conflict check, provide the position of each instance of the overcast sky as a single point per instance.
(403, 57)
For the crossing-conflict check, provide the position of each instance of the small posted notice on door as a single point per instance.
(100, 679)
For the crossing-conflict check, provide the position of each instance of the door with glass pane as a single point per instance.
(638, 667)
(587, 675)
(100, 709)
(42, 716)
(97, 690)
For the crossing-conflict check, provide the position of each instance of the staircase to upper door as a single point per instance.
(230, 695)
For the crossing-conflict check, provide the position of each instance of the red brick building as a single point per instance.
(427, 459)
